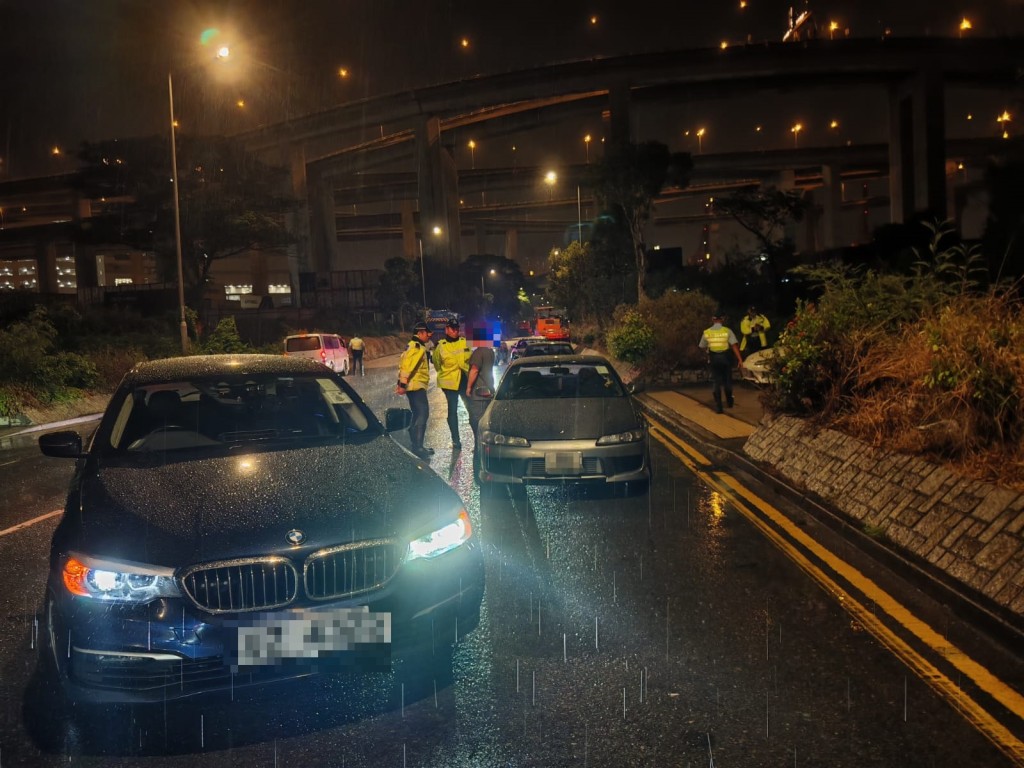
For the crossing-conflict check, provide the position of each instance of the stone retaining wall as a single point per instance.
(973, 531)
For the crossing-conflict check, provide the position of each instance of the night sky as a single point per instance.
(73, 70)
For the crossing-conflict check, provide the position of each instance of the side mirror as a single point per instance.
(397, 419)
(635, 387)
(62, 445)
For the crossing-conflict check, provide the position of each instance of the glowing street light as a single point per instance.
(965, 25)
(483, 291)
(550, 178)
(700, 141)
(586, 143)
(343, 73)
(795, 130)
(472, 153)
(1003, 120)
(464, 42)
(832, 27)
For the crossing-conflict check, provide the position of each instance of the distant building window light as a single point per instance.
(123, 281)
(279, 288)
(236, 290)
(233, 297)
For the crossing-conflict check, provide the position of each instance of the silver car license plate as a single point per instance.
(265, 639)
(563, 462)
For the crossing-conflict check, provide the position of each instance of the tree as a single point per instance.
(396, 292)
(230, 203)
(497, 280)
(626, 183)
(765, 214)
(1003, 242)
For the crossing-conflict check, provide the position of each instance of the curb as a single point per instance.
(972, 607)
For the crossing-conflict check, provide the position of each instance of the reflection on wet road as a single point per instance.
(662, 629)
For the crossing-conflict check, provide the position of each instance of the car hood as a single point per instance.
(561, 419)
(181, 512)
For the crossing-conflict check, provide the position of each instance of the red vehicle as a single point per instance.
(552, 323)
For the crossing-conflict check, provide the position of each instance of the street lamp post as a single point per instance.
(586, 143)
(177, 221)
(700, 141)
(795, 130)
(472, 154)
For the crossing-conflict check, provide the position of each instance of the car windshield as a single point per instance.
(208, 413)
(543, 382)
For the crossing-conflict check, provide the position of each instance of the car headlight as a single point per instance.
(632, 436)
(117, 581)
(496, 438)
(444, 539)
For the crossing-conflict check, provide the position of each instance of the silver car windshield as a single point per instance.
(198, 413)
(544, 382)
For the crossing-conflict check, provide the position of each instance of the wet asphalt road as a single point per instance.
(655, 630)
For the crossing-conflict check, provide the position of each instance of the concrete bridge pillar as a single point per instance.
(832, 189)
(437, 179)
(917, 137)
(481, 238)
(620, 133)
(512, 244)
(323, 227)
(410, 249)
(299, 223)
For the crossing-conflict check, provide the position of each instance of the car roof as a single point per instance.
(208, 366)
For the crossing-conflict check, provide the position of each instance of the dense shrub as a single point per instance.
(225, 339)
(632, 339)
(112, 363)
(673, 322)
(32, 360)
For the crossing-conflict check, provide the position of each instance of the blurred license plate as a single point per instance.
(296, 636)
(563, 462)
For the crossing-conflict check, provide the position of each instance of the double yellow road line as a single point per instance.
(800, 548)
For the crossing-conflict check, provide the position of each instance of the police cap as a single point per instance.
(452, 323)
(420, 327)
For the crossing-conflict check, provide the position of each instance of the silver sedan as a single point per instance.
(565, 418)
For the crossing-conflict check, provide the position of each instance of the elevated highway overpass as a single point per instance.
(398, 149)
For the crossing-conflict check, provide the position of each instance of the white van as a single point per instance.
(329, 348)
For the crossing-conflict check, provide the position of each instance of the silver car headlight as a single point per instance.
(496, 438)
(444, 539)
(632, 436)
(117, 581)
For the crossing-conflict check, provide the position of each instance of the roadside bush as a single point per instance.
(10, 401)
(674, 322)
(111, 364)
(225, 339)
(632, 339)
(32, 361)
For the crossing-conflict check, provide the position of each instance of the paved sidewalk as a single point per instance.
(695, 404)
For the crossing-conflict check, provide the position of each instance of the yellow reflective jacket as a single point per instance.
(717, 339)
(451, 360)
(413, 370)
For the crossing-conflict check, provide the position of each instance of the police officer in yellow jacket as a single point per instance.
(413, 378)
(451, 360)
(718, 340)
(754, 325)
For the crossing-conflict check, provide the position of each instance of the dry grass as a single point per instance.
(951, 389)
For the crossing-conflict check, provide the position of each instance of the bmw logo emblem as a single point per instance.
(295, 537)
